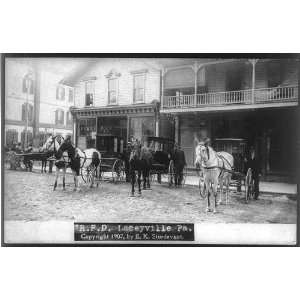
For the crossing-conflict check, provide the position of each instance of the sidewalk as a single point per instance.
(192, 180)
(267, 187)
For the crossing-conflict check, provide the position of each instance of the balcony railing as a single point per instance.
(243, 97)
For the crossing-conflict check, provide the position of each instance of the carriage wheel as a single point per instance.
(87, 174)
(202, 187)
(249, 186)
(171, 173)
(118, 170)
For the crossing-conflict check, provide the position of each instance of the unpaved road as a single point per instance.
(29, 196)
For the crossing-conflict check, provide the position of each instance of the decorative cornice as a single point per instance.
(113, 74)
(141, 71)
(113, 110)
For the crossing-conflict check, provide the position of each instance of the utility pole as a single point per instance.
(28, 85)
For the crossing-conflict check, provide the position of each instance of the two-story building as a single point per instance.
(115, 97)
(36, 101)
(253, 99)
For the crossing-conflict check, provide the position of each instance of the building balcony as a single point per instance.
(243, 99)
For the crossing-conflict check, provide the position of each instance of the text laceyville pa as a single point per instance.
(162, 228)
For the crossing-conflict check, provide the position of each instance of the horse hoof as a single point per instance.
(64, 189)
(220, 203)
(214, 211)
(207, 210)
(131, 195)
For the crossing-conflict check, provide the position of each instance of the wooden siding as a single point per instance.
(126, 68)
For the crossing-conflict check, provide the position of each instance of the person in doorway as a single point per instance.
(254, 163)
(179, 164)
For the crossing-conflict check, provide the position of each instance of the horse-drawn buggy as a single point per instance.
(24, 160)
(112, 164)
(162, 161)
(230, 156)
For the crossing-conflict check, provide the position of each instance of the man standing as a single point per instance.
(254, 163)
(179, 164)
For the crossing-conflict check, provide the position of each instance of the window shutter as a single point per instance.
(31, 86)
(24, 85)
(23, 112)
(30, 113)
(62, 117)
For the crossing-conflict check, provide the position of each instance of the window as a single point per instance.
(28, 85)
(141, 127)
(89, 93)
(112, 91)
(29, 112)
(139, 88)
(87, 126)
(71, 95)
(59, 117)
(275, 71)
(60, 93)
(69, 118)
(29, 138)
(11, 137)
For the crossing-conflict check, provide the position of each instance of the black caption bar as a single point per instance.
(92, 232)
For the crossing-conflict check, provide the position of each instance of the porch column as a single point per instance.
(75, 130)
(196, 69)
(176, 118)
(162, 88)
(253, 63)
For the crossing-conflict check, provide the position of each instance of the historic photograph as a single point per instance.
(156, 150)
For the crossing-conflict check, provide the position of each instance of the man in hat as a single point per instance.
(254, 163)
(179, 164)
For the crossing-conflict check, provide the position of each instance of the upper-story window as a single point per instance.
(59, 117)
(139, 88)
(28, 84)
(71, 95)
(29, 112)
(113, 87)
(112, 90)
(69, 118)
(89, 93)
(60, 93)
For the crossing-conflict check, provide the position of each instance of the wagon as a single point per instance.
(237, 148)
(25, 160)
(162, 164)
(112, 165)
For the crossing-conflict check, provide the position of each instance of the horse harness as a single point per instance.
(223, 169)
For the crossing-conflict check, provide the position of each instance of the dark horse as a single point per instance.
(139, 164)
(78, 161)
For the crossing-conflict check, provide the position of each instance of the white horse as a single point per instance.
(216, 167)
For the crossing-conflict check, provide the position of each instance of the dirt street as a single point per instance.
(30, 196)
